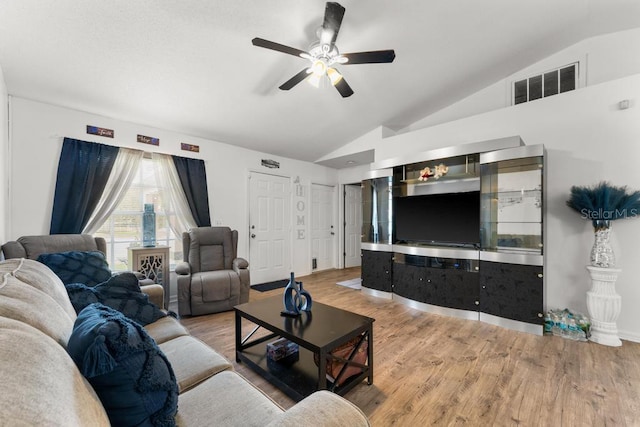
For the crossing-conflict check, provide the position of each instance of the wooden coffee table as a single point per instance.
(319, 331)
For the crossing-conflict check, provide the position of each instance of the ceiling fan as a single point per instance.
(324, 55)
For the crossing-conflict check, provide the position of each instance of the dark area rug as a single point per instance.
(269, 286)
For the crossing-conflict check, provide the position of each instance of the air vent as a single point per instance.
(546, 84)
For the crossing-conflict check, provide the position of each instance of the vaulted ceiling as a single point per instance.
(190, 67)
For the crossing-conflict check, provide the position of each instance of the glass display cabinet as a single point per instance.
(377, 231)
(512, 238)
(511, 201)
(376, 210)
(452, 174)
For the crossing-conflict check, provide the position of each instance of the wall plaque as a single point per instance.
(270, 163)
(148, 140)
(190, 147)
(94, 130)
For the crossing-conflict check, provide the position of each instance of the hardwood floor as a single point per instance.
(435, 370)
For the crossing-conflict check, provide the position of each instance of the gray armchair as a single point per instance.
(212, 278)
(33, 246)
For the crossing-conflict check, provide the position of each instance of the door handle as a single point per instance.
(253, 236)
(333, 234)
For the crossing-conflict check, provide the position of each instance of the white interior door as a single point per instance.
(269, 227)
(323, 231)
(352, 225)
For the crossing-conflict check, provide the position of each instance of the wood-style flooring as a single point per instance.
(435, 370)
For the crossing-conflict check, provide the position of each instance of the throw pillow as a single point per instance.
(130, 374)
(88, 267)
(121, 292)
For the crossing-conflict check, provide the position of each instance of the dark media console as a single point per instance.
(445, 282)
(468, 244)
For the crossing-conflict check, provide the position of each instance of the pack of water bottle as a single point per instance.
(566, 324)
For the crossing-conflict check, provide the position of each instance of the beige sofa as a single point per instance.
(42, 385)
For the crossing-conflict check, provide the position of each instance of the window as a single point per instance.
(546, 84)
(124, 226)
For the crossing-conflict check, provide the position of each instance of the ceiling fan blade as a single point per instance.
(343, 87)
(373, 57)
(295, 79)
(277, 46)
(333, 14)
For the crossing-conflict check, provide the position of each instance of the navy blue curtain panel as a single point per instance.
(83, 170)
(193, 178)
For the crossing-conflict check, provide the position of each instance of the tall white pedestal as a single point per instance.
(604, 305)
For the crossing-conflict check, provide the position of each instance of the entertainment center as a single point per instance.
(458, 231)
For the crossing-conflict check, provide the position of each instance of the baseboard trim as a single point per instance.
(629, 336)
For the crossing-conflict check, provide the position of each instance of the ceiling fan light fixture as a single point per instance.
(334, 76)
(318, 68)
(314, 80)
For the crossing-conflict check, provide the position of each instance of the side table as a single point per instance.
(153, 262)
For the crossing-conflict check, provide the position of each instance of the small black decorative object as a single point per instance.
(295, 298)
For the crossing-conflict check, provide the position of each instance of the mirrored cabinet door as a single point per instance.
(376, 210)
(511, 203)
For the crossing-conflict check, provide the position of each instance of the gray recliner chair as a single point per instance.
(212, 278)
(33, 246)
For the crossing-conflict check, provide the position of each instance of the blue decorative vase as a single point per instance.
(291, 297)
(305, 297)
(295, 298)
(148, 226)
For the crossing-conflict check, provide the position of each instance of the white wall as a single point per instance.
(37, 133)
(603, 58)
(4, 157)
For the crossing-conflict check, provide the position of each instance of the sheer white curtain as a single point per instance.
(170, 181)
(124, 171)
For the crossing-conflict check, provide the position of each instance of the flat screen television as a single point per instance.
(451, 219)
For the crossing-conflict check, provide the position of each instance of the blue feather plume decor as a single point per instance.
(603, 202)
